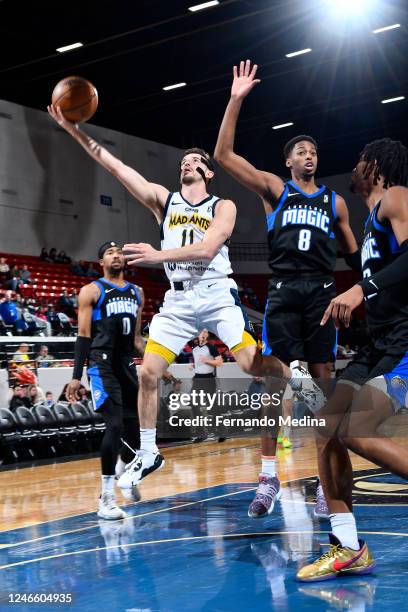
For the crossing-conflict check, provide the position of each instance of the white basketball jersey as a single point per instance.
(186, 223)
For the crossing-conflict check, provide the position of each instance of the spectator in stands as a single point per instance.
(43, 358)
(77, 268)
(44, 255)
(9, 311)
(91, 272)
(63, 396)
(49, 398)
(25, 275)
(65, 304)
(4, 267)
(53, 255)
(74, 299)
(15, 281)
(62, 257)
(22, 353)
(35, 395)
(19, 398)
(83, 395)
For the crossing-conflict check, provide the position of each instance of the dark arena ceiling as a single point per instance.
(133, 48)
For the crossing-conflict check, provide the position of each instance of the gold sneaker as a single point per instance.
(338, 561)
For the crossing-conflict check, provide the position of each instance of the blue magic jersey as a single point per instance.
(301, 231)
(380, 248)
(114, 317)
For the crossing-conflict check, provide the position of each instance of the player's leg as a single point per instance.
(380, 398)
(347, 553)
(169, 331)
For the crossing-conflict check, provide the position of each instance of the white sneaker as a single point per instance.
(308, 392)
(143, 464)
(132, 494)
(108, 508)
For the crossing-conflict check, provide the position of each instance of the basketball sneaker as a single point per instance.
(108, 508)
(267, 493)
(143, 464)
(338, 561)
(308, 391)
(321, 509)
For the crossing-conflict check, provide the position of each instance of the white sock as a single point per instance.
(344, 528)
(120, 467)
(148, 440)
(108, 484)
(268, 465)
(286, 431)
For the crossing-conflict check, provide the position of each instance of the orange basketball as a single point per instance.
(77, 98)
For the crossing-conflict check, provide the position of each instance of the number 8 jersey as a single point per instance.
(301, 231)
(114, 317)
(183, 224)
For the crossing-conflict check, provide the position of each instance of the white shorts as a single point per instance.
(211, 304)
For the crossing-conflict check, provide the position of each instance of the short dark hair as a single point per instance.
(205, 157)
(287, 149)
(388, 158)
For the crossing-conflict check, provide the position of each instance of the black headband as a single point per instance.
(105, 246)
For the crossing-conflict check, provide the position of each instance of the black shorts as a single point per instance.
(386, 355)
(113, 378)
(294, 309)
(204, 382)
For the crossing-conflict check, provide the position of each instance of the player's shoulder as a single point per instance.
(224, 204)
(395, 196)
(90, 291)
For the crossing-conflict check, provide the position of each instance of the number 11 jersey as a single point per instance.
(183, 224)
(301, 231)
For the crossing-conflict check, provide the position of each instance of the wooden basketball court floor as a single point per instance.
(189, 543)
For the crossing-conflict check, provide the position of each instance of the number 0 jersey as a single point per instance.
(380, 248)
(114, 317)
(301, 231)
(185, 223)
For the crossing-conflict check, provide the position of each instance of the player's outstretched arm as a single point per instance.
(139, 344)
(88, 296)
(219, 231)
(268, 186)
(151, 195)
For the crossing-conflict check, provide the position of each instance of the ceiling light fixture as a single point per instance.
(295, 53)
(175, 86)
(69, 47)
(204, 5)
(281, 125)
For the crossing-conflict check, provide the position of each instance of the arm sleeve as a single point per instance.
(82, 346)
(395, 273)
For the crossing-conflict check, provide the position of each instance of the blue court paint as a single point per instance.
(200, 551)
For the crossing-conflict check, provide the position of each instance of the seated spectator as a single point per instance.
(63, 396)
(62, 257)
(44, 254)
(19, 398)
(74, 298)
(43, 358)
(9, 312)
(77, 268)
(91, 272)
(4, 267)
(35, 395)
(49, 398)
(84, 395)
(53, 255)
(65, 304)
(22, 353)
(14, 281)
(25, 275)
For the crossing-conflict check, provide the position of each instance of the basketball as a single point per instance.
(77, 98)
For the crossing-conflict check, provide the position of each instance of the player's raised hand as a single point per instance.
(341, 307)
(141, 253)
(56, 114)
(244, 80)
